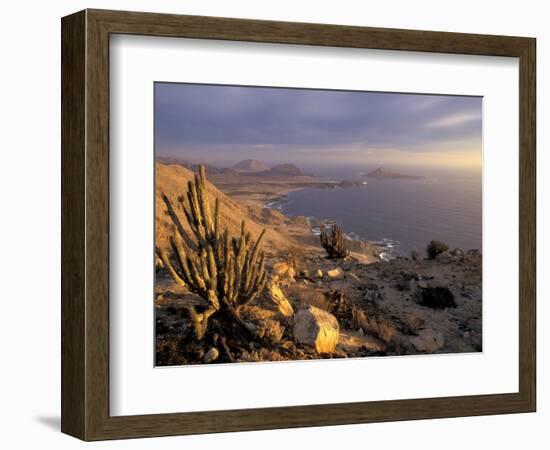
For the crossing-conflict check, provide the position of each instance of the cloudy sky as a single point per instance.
(225, 124)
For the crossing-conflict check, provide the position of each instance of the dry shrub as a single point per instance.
(375, 326)
(437, 298)
(435, 248)
(270, 330)
(295, 258)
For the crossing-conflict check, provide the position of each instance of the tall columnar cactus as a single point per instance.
(228, 273)
(333, 242)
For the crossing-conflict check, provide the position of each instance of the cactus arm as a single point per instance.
(173, 215)
(173, 273)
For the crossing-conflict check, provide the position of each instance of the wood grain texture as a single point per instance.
(85, 224)
(527, 224)
(73, 227)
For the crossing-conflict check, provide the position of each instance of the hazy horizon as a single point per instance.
(317, 129)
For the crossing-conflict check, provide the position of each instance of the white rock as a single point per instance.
(277, 296)
(428, 341)
(319, 273)
(211, 355)
(335, 274)
(317, 328)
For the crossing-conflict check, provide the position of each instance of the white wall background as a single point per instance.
(30, 221)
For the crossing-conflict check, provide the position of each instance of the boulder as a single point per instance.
(283, 270)
(319, 273)
(211, 355)
(428, 341)
(277, 296)
(335, 274)
(316, 328)
(444, 257)
(473, 252)
(457, 252)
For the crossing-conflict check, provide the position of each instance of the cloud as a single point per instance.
(214, 120)
(455, 120)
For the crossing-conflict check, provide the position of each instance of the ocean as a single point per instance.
(400, 214)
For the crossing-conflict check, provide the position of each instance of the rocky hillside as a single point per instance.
(173, 179)
(319, 308)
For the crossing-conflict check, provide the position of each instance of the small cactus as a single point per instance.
(333, 242)
(227, 272)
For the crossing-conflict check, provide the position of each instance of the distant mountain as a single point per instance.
(285, 170)
(194, 167)
(381, 172)
(250, 165)
(169, 160)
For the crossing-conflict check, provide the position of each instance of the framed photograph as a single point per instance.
(273, 225)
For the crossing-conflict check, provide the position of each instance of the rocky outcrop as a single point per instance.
(316, 328)
(278, 298)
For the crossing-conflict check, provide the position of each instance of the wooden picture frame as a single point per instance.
(85, 224)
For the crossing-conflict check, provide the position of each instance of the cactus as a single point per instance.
(333, 242)
(228, 273)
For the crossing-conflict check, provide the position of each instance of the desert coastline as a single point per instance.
(261, 191)
(409, 305)
(299, 224)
